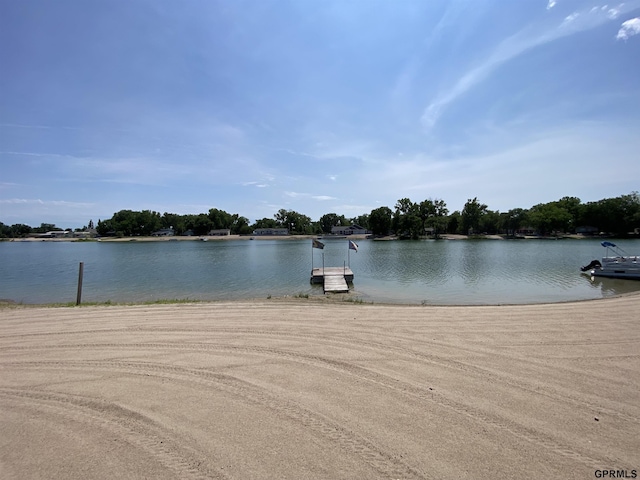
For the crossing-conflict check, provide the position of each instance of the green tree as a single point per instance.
(433, 214)
(5, 230)
(221, 219)
(471, 214)
(265, 223)
(20, 230)
(490, 222)
(426, 210)
(45, 227)
(547, 218)
(513, 220)
(454, 222)
(329, 220)
(296, 222)
(175, 221)
(573, 207)
(147, 222)
(200, 224)
(380, 220)
(406, 219)
(241, 226)
(362, 220)
(302, 224)
(124, 222)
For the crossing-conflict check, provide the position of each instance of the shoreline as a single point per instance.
(311, 300)
(290, 390)
(180, 238)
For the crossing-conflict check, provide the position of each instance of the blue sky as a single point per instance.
(315, 106)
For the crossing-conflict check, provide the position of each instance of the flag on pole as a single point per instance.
(353, 246)
(316, 244)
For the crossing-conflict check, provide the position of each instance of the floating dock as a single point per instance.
(333, 279)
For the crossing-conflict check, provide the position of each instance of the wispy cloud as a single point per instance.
(570, 19)
(254, 184)
(15, 125)
(629, 29)
(551, 4)
(521, 42)
(614, 12)
(52, 203)
(36, 154)
(309, 195)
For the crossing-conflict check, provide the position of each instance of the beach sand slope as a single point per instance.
(303, 390)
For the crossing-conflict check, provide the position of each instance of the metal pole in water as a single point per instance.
(80, 273)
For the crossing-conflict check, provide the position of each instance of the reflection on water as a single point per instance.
(434, 272)
(612, 286)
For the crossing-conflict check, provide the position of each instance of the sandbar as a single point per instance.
(297, 389)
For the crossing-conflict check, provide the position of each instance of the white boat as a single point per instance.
(618, 265)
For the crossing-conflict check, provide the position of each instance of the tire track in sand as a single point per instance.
(316, 420)
(387, 464)
(128, 425)
(566, 396)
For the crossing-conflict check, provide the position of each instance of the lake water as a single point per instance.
(445, 272)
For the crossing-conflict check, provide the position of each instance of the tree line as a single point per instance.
(617, 216)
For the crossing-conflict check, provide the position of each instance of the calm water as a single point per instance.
(434, 272)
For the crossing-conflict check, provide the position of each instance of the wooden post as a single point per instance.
(80, 273)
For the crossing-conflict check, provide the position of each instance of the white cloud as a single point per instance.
(37, 201)
(322, 197)
(521, 42)
(254, 184)
(551, 4)
(629, 29)
(308, 195)
(570, 18)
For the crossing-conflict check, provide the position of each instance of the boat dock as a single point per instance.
(333, 279)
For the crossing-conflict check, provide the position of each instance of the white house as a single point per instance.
(221, 232)
(164, 232)
(350, 230)
(88, 233)
(271, 231)
(56, 234)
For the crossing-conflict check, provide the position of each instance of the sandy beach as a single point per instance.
(298, 389)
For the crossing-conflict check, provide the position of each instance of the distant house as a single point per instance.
(350, 230)
(55, 234)
(271, 231)
(163, 232)
(88, 233)
(526, 231)
(587, 230)
(221, 232)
